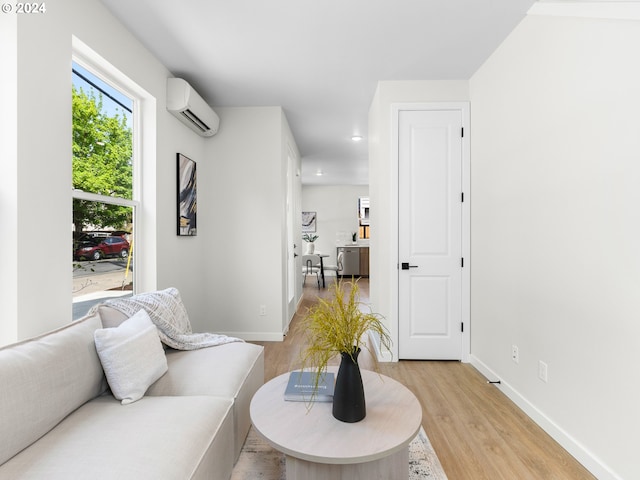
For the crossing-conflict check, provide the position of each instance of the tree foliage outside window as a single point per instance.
(102, 162)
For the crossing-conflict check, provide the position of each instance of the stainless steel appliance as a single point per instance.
(350, 261)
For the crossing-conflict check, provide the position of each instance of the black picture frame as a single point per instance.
(187, 188)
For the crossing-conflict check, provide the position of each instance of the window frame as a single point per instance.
(86, 58)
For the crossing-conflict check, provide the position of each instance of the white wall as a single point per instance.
(9, 177)
(37, 194)
(383, 250)
(555, 258)
(241, 197)
(245, 260)
(337, 210)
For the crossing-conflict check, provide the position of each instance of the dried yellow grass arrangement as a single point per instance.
(337, 325)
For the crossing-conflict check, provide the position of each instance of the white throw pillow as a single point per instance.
(132, 356)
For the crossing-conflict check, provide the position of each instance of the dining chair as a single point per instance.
(338, 267)
(311, 266)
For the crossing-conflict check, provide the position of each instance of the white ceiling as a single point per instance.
(318, 59)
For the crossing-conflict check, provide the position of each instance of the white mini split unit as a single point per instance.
(189, 107)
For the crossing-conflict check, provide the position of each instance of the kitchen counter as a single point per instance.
(355, 260)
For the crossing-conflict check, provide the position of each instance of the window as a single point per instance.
(363, 217)
(103, 190)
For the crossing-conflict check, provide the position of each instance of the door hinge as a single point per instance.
(462, 262)
(462, 132)
(462, 197)
(462, 326)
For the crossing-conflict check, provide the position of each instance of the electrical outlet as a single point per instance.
(263, 310)
(543, 371)
(515, 354)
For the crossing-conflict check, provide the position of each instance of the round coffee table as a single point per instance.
(319, 447)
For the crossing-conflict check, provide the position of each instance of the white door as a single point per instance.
(430, 234)
(290, 251)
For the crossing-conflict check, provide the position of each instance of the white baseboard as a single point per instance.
(575, 448)
(380, 355)
(257, 336)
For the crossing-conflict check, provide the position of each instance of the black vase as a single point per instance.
(348, 396)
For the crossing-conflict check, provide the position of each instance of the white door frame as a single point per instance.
(463, 107)
(293, 276)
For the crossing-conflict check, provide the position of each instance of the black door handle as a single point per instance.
(406, 266)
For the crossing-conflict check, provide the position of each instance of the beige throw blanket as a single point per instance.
(168, 313)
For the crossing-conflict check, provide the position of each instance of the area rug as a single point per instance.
(259, 461)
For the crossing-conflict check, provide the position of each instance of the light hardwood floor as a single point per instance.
(477, 432)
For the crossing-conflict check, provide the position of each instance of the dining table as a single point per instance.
(321, 255)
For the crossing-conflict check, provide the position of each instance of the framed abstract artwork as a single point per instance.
(187, 196)
(308, 222)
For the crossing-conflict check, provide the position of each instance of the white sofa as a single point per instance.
(59, 419)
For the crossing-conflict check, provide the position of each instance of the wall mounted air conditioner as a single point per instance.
(189, 107)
